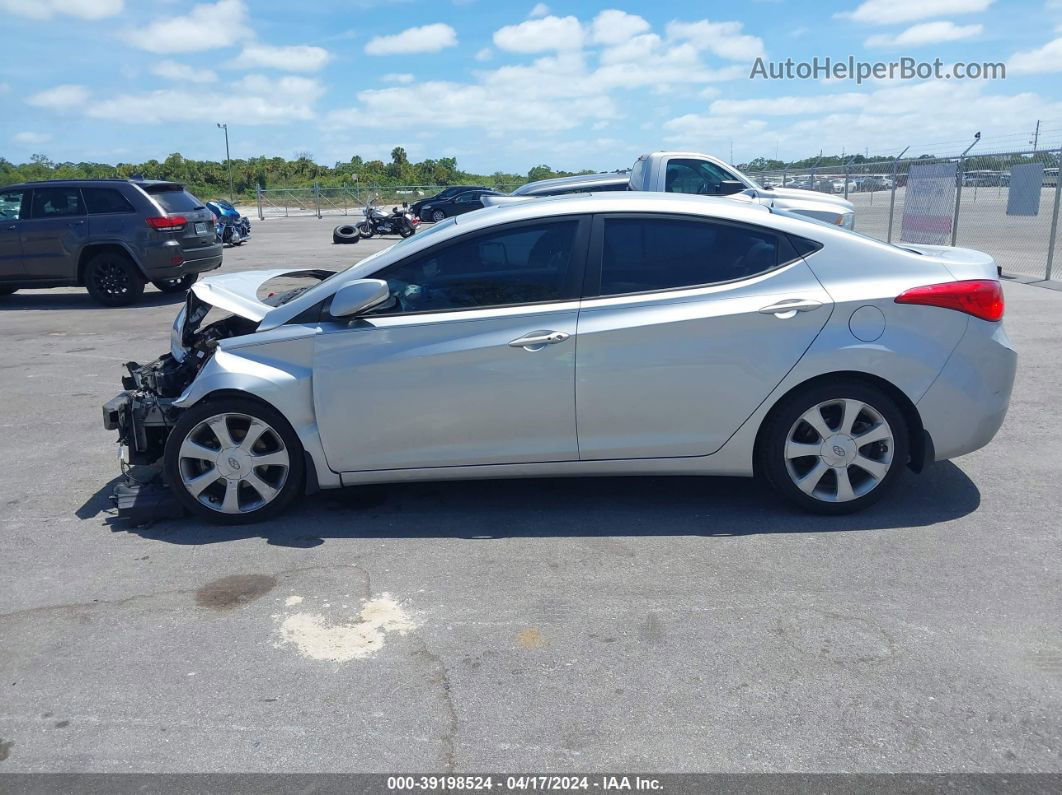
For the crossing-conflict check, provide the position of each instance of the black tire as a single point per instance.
(112, 279)
(406, 231)
(178, 285)
(438, 215)
(345, 233)
(888, 457)
(188, 423)
(8, 290)
(365, 229)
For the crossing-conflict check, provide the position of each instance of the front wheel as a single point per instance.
(406, 230)
(234, 461)
(179, 285)
(113, 280)
(438, 215)
(834, 448)
(365, 229)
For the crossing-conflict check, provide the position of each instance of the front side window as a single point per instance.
(524, 264)
(10, 205)
(645, 254)
(57, 202)
(105, 200)
(698, 177)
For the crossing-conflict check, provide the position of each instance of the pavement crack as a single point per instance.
(440, 676)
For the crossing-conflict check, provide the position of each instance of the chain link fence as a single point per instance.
(321, 201)
(1004, 203)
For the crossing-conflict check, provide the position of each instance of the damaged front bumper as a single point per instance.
(142, 418)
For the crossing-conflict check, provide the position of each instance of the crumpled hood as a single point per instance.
(238, 292)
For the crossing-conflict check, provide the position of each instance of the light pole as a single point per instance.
(228, 159)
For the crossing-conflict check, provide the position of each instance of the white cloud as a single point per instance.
(295, 58)
(171, 70)
(398, 77)
(724, 39)
(254, 99)
(884, 119)
(29, 138)
(540, 10)
(540, 35)
(426, 38)
(484, 54)
(884, 12)
(63, 97)
(615, 27)
(205, 27)
(1047, 58)
(46, 9)
(925, 33)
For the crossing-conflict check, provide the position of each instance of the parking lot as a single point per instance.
(652, 624)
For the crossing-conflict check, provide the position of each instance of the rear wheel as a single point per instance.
(113, 280)
(365, 229)
(234, 461)
(834, 448)
(178, 285)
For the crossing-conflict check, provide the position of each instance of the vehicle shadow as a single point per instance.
(51, 299)
(570, 507)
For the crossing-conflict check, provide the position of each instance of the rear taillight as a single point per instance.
(981, 298)
(171, 224)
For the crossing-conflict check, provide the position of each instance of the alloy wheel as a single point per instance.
(233, 463)
(839, 450)
(111, 278)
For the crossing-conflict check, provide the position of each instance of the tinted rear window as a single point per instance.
(105, 200)
(174, 198)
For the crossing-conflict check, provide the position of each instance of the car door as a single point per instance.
(472, 362)
(11, 212)
(687, 326)
(467, 202)
(53, 234)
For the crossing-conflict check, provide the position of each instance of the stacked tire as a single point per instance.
(345, 233)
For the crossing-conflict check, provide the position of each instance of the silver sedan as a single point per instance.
(612, 334)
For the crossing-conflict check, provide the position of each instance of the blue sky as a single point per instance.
(508, 85)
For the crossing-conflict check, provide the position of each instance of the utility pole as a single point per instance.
(228, 159)
(1036, 135)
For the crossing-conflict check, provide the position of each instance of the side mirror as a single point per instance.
(358, 296)
(730, 186)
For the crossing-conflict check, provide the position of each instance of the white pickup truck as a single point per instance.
(692, 172)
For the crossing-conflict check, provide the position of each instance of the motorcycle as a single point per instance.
(223, 210)
(399, 222)
(227, 232)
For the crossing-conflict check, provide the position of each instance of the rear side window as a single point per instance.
(56, 203)
(105, 200)
(645, 254)
(10, 205)
(174, 198)
(804, 246)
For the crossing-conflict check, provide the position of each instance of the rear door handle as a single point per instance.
(789, 307)
(537, 340)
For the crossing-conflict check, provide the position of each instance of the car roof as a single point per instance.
(616, 201)
(571, 183)
(80, 183)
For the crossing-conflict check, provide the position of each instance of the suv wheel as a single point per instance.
(113, 280)
(834, 448)
(179, 285)
(234, 461)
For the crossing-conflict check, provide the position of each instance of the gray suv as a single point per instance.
(111, 236)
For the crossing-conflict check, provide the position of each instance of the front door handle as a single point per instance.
(789, 307)
(537, 340)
